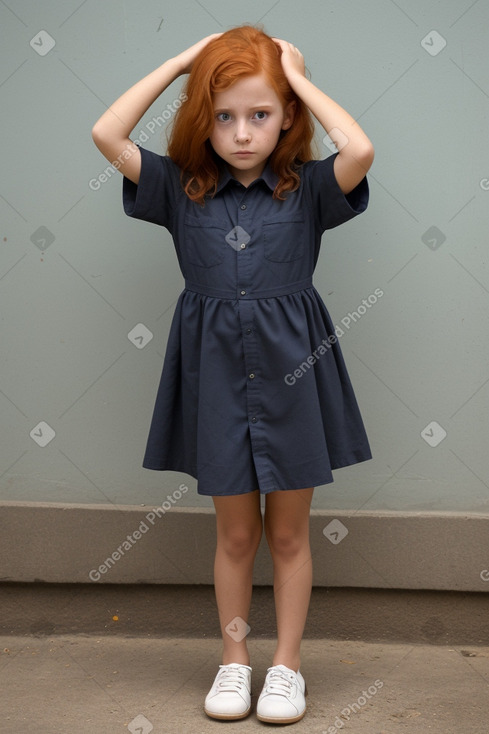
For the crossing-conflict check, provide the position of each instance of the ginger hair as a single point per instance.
(239, 52)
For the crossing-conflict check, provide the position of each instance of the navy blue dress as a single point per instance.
(254, 392)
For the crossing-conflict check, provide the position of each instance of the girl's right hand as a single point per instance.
(111, 132)
(186, 58)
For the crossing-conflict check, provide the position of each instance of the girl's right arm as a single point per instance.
(111, 131)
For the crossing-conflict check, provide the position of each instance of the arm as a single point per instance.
(356, 152)
(111, 131)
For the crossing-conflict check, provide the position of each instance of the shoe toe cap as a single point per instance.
(278, 707)
(226, 703)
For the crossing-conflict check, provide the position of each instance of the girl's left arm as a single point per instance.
(356, 152)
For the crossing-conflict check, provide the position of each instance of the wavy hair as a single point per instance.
(237, 53)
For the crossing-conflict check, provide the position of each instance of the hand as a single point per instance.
(186, 58)
(291, 58)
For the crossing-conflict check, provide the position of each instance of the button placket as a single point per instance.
(246, 307)
(245, 279)
(243, 255)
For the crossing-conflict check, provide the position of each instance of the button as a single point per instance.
(251, 376)
(248, 331)
(253, 420)
(242, 245)
(243, 293)
(243, 206)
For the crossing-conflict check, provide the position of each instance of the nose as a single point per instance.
(242, 133)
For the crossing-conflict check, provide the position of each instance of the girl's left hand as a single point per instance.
(291, 58)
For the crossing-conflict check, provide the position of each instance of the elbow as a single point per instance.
(102, 142)
(366, 155)
(371, 153)
(96, 133)
(101, 131)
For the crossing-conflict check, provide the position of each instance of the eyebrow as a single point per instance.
(253, 107)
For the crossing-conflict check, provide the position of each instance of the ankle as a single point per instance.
(293, 663)
(235, 656)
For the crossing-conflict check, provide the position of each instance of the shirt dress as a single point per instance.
(254, 392)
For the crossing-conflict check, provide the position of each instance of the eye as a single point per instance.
(261, 115)
(224, 117)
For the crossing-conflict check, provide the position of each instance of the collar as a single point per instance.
(268, 176)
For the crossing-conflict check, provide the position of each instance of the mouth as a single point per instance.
(243, 153)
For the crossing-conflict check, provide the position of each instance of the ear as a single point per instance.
(289, 114)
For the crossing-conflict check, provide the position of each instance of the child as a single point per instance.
(254, 396)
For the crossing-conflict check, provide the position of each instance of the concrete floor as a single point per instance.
(109, 660)
(76, 684)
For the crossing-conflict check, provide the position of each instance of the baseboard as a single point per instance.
(68, 543)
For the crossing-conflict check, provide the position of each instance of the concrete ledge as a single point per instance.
(68, 543)
(180, 612)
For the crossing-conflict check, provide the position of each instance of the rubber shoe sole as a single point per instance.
(228, 717)
(287, 720)
(270, 720)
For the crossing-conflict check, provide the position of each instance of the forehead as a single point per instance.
(247, 91)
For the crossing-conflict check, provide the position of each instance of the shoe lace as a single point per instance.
(231, 679)
(278, 682)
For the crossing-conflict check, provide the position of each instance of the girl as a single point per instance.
(254, 396)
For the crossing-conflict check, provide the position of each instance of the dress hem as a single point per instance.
(160, 465)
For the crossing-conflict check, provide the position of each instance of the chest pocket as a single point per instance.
(204, 241)
(283, 239)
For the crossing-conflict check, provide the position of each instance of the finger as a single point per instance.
(211, 37)
(280, 42)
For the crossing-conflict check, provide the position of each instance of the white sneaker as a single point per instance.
(230, 695)
(282, 700)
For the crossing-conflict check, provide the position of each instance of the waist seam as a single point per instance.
(244, 293)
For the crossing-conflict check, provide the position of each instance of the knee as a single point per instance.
(286, 541)
(241, 541)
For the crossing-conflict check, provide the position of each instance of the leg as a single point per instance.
(287, 532)
(239, 529)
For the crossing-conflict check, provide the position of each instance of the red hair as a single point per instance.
(240, 52)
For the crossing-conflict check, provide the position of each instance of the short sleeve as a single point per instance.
(153, 199)
(331, 206)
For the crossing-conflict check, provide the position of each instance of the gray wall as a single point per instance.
(77, 275)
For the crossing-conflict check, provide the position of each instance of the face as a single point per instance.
(248, 118)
